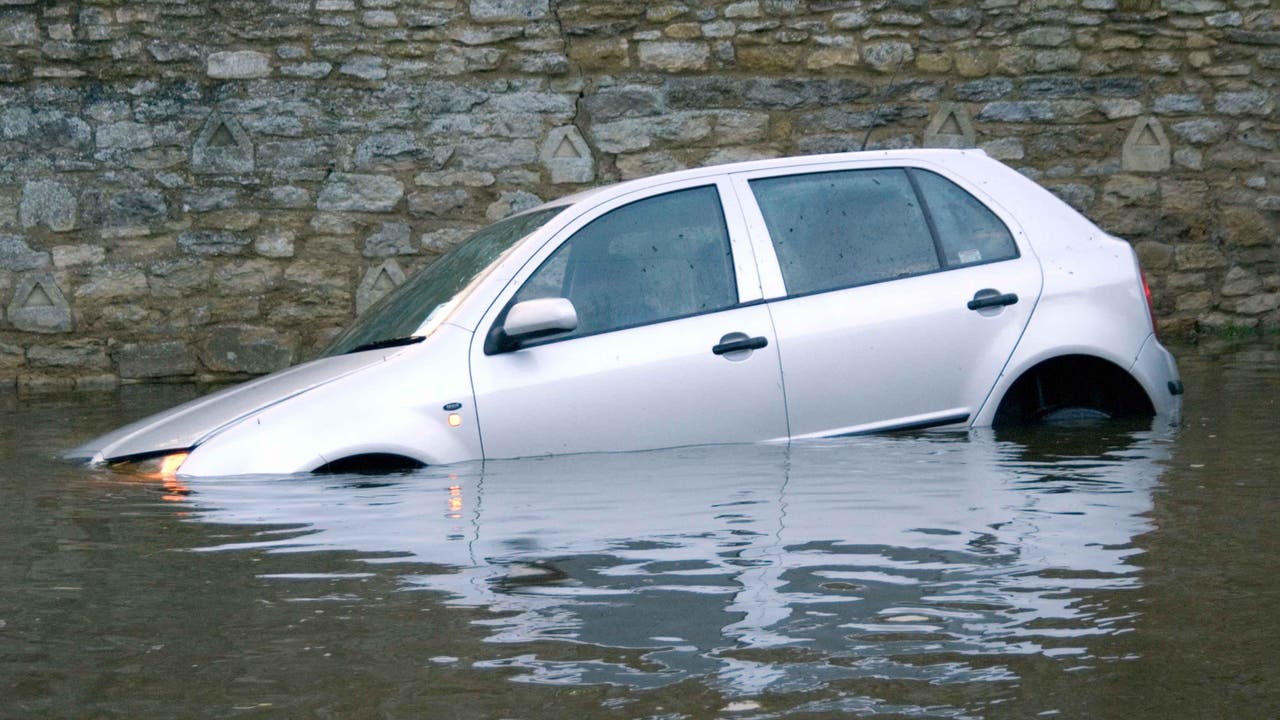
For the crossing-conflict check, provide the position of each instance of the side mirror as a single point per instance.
(533, 319)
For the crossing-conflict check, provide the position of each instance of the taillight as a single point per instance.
(1151, 306)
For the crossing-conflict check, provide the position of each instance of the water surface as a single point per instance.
(1122, 571)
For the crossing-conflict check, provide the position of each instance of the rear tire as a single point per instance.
(1072, 416)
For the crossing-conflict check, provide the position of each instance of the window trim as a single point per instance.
(770, 268)
(746, 275)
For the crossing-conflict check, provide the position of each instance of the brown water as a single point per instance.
(1117, 572)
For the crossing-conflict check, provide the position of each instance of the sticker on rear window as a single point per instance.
(968, 256)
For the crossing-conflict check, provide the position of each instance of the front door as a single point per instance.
(672, 346)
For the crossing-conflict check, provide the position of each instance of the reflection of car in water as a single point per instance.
(783, 299)
(864, 551)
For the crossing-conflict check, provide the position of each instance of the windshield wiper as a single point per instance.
(393, 342)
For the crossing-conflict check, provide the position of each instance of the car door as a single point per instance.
(897, 294)
(673, 344)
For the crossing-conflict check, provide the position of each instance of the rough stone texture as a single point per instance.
(244, 349)
(49, 204)
(193, 191)
(366, 193)
(38, 305)
(170, 358)
(240, 65)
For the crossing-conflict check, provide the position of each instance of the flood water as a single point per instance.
(1121, 571)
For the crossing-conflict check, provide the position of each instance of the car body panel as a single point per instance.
(396, 407)
(642, 388)
(186, 425)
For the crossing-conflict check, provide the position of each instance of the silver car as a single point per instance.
(765, 301)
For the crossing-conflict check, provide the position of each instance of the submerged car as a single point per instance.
(774, 300)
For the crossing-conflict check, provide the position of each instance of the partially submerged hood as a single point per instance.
(186, 425)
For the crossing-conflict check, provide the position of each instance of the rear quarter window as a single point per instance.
(969, 233)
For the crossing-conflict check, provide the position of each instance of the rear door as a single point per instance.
(897, 294)
(674, 344)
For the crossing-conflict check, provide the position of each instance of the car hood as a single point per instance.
(186, 425)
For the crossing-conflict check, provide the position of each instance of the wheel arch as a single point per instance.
(1077, 378)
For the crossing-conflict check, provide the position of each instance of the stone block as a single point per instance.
(247, 349)
(377, 282)
(1202, 131)
(365, 67)
(170, 358)
(212, 242)
(510, 203)
(74, 354)
(950, 128)
(889, 56)
(1017, 111)
(673, 56)
(124, 136)
(48, 203)
(599, 53)
(1198, 257)
(769, 59)
(222, 147)
(238, 65)
(393, 238)
(18, 29)
(1155, 255)
(38, 305)
(509, 10)
(1009, 148)
(440, 203)
(65, 256)
(567, 157)
(205, 199)
(828, 58)
(275, 244)
(1245, 226)
(247, 278)
(16, 255)
(362, 193)
(1254, 305)
(1146, 149)
(1252, 102)
(1240, 282)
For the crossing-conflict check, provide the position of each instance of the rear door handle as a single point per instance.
(991, 298)
(739, 343)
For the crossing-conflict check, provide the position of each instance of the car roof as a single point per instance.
(940, 156)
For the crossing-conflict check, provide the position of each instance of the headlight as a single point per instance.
(157, 467)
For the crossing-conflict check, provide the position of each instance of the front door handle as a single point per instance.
(738, 342)
(991, 298)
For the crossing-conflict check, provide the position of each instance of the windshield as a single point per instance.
(402, 311)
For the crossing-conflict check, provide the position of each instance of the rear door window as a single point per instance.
(840, 229)
(846, 228)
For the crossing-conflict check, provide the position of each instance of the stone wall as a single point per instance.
(211, 188)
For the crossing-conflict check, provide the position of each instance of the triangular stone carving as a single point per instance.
(951, 127)
(377, 282)
(222, 147)
(1147, 147)
(567, 156)
(39, 306)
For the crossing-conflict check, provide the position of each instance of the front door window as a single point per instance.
(656, 259)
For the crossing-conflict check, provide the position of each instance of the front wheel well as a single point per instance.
(1072, 381)
(370, 464)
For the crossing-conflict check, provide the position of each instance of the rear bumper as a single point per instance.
(1157, 371)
